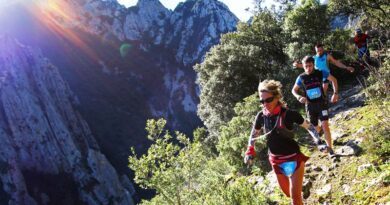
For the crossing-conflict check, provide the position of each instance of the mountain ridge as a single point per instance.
(118, 83)
(44, 137)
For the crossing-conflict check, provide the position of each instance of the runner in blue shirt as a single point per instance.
(315, 99)
(321, 62)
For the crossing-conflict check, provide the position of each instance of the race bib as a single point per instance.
(313, 93)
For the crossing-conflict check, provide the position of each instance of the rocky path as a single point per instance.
(320, 170)
(354, 178)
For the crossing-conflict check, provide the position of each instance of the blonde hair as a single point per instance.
(274, 87)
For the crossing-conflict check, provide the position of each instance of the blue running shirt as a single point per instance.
(321, 64)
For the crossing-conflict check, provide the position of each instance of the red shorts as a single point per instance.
(276, 160)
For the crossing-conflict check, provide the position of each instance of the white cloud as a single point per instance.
(240, 8)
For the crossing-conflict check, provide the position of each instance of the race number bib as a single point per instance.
(313, 93)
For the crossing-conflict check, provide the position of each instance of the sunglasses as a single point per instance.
(268, 100)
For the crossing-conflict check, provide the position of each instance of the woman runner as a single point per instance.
(276, 121)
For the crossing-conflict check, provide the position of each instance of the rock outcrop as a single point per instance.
(125, 65)
(48, 155)
(195, 26)
(190, 30)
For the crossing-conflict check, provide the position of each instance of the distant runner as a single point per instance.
(361, 41)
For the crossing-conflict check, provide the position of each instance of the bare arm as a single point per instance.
(339, 64)
(300, 98)
(335, 96)
(250, 152)
(296, 64)
(255, 135)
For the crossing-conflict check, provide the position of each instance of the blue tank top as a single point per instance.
(321, 63)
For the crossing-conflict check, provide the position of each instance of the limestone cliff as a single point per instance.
(48, 154)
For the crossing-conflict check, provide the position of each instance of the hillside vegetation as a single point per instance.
(208, 168)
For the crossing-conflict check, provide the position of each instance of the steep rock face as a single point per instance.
(123, 71)
(146, 19)
(344, 22)
(99, 17)
(178, 39)
(102, 17)
(49, 155)
(196, 25)
(190, 30)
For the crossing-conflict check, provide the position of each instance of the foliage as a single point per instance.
(306, 25)
(233, 138)
(379, 82)
(278, 7)
(378, 93)
(374, 12)
(372, 16)
(158, 169)
(241, 191)
(371, 169)
(185, 173)
(233, 69)
(340, 40)
(379, 143)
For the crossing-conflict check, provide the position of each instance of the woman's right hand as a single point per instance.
(249, 155)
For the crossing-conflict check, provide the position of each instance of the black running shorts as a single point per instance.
(317, 111)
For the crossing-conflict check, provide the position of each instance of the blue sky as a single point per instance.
(238, 7)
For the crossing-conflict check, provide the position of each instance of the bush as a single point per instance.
(184, 172)
(233, 139)
(378, 93)
(379, 82)
(378, 144)
(340, 40)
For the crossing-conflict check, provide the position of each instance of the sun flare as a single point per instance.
(58, 16)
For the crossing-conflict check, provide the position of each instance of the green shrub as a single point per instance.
(379, 82)
(184, 172)
(378, 144)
